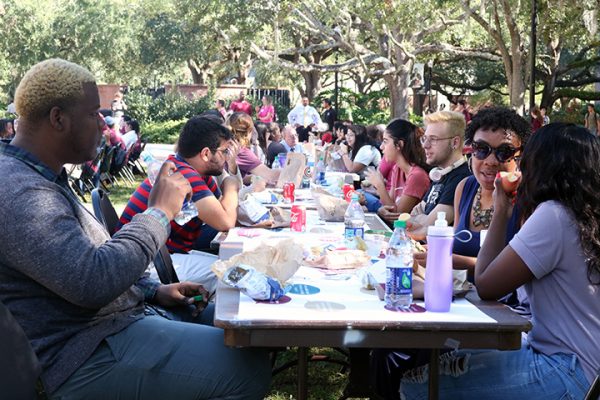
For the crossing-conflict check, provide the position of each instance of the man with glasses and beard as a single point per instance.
(203, 148)
(443, 144)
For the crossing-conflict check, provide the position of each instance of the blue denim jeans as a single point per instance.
(520, 374)
(161, 358)
(372, 201)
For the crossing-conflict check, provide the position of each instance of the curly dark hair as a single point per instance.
(495, 118)
(412, 151)
(561, 163)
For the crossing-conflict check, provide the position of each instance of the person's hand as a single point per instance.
(234, 150)
(375, 178)
(182, 294)
(362, 200)
(415, 230)
(296, 125)
(267, 223)
(258, 184)
(343, 149)
(503, 204)
(421, 258)
(230, 183)
(388, 213)
(169, 190)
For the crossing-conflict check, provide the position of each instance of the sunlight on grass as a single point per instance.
(326, 380)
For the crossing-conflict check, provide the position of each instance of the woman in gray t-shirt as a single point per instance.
(556, 256)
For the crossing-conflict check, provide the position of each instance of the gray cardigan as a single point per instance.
(65, 282)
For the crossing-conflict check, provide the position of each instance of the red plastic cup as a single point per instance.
(288, 192)
(298, 219)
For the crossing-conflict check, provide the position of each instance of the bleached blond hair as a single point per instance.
(454, 121)
(50, 83)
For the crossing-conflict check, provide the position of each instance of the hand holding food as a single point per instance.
(510, 181)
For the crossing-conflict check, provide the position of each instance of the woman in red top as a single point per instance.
(409, 180)
(537, 119)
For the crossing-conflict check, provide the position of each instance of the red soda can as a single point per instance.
(298, 219)
(348, 191)
(288, 192)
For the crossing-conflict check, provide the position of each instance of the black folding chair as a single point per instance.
(164, 266)
(106, 214)
(594, 391)
(19, 367)
(104, 210)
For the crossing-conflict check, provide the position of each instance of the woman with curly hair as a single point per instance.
(497, 136)
(248, 163)
(556, 257)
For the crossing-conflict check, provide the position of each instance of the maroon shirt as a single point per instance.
(241, 106)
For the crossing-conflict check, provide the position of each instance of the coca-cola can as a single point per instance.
(288, 192)
(298, 219)
(348, 191)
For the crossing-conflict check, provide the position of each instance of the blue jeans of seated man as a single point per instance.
(160, 358)
(372, 201)
(207, 235)
(494, 375)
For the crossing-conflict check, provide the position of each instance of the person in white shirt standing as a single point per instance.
(304, 117)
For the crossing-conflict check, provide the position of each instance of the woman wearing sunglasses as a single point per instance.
(556, 257)
(497, 136)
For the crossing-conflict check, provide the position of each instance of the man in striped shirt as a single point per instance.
(203, 147)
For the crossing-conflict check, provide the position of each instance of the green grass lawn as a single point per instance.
(326, 380)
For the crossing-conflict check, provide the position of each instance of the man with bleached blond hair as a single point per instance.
(99, 326)
(443, 144)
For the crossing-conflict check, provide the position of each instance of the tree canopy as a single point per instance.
(470, 45)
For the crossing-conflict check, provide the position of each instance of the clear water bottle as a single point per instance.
(188, 210)
(152, 166)
(308, 174)
(319, 174)
(276, 163)
(399, 269)
(354, 222)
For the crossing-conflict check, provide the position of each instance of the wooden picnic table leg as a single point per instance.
(302, 373)
(434, 374)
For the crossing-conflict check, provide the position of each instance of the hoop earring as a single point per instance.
(469, 161)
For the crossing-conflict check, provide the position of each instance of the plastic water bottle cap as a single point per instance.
(354, 197)
(440, 228)
(399, 224)
(441, 219)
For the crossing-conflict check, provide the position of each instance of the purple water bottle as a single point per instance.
(438, 274)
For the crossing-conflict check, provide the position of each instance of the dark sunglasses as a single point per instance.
(504, 152)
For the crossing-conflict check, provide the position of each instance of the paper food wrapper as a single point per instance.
(331, 209)
(280, 262)
(293, 170)
(340, 259)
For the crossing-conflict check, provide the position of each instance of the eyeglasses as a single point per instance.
(432, 139)
(504, 152)
(226, 151)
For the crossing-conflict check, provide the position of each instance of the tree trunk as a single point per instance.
(516, 79)
(550, 81)
(397, 85)
(197, 74)
(312, 83)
